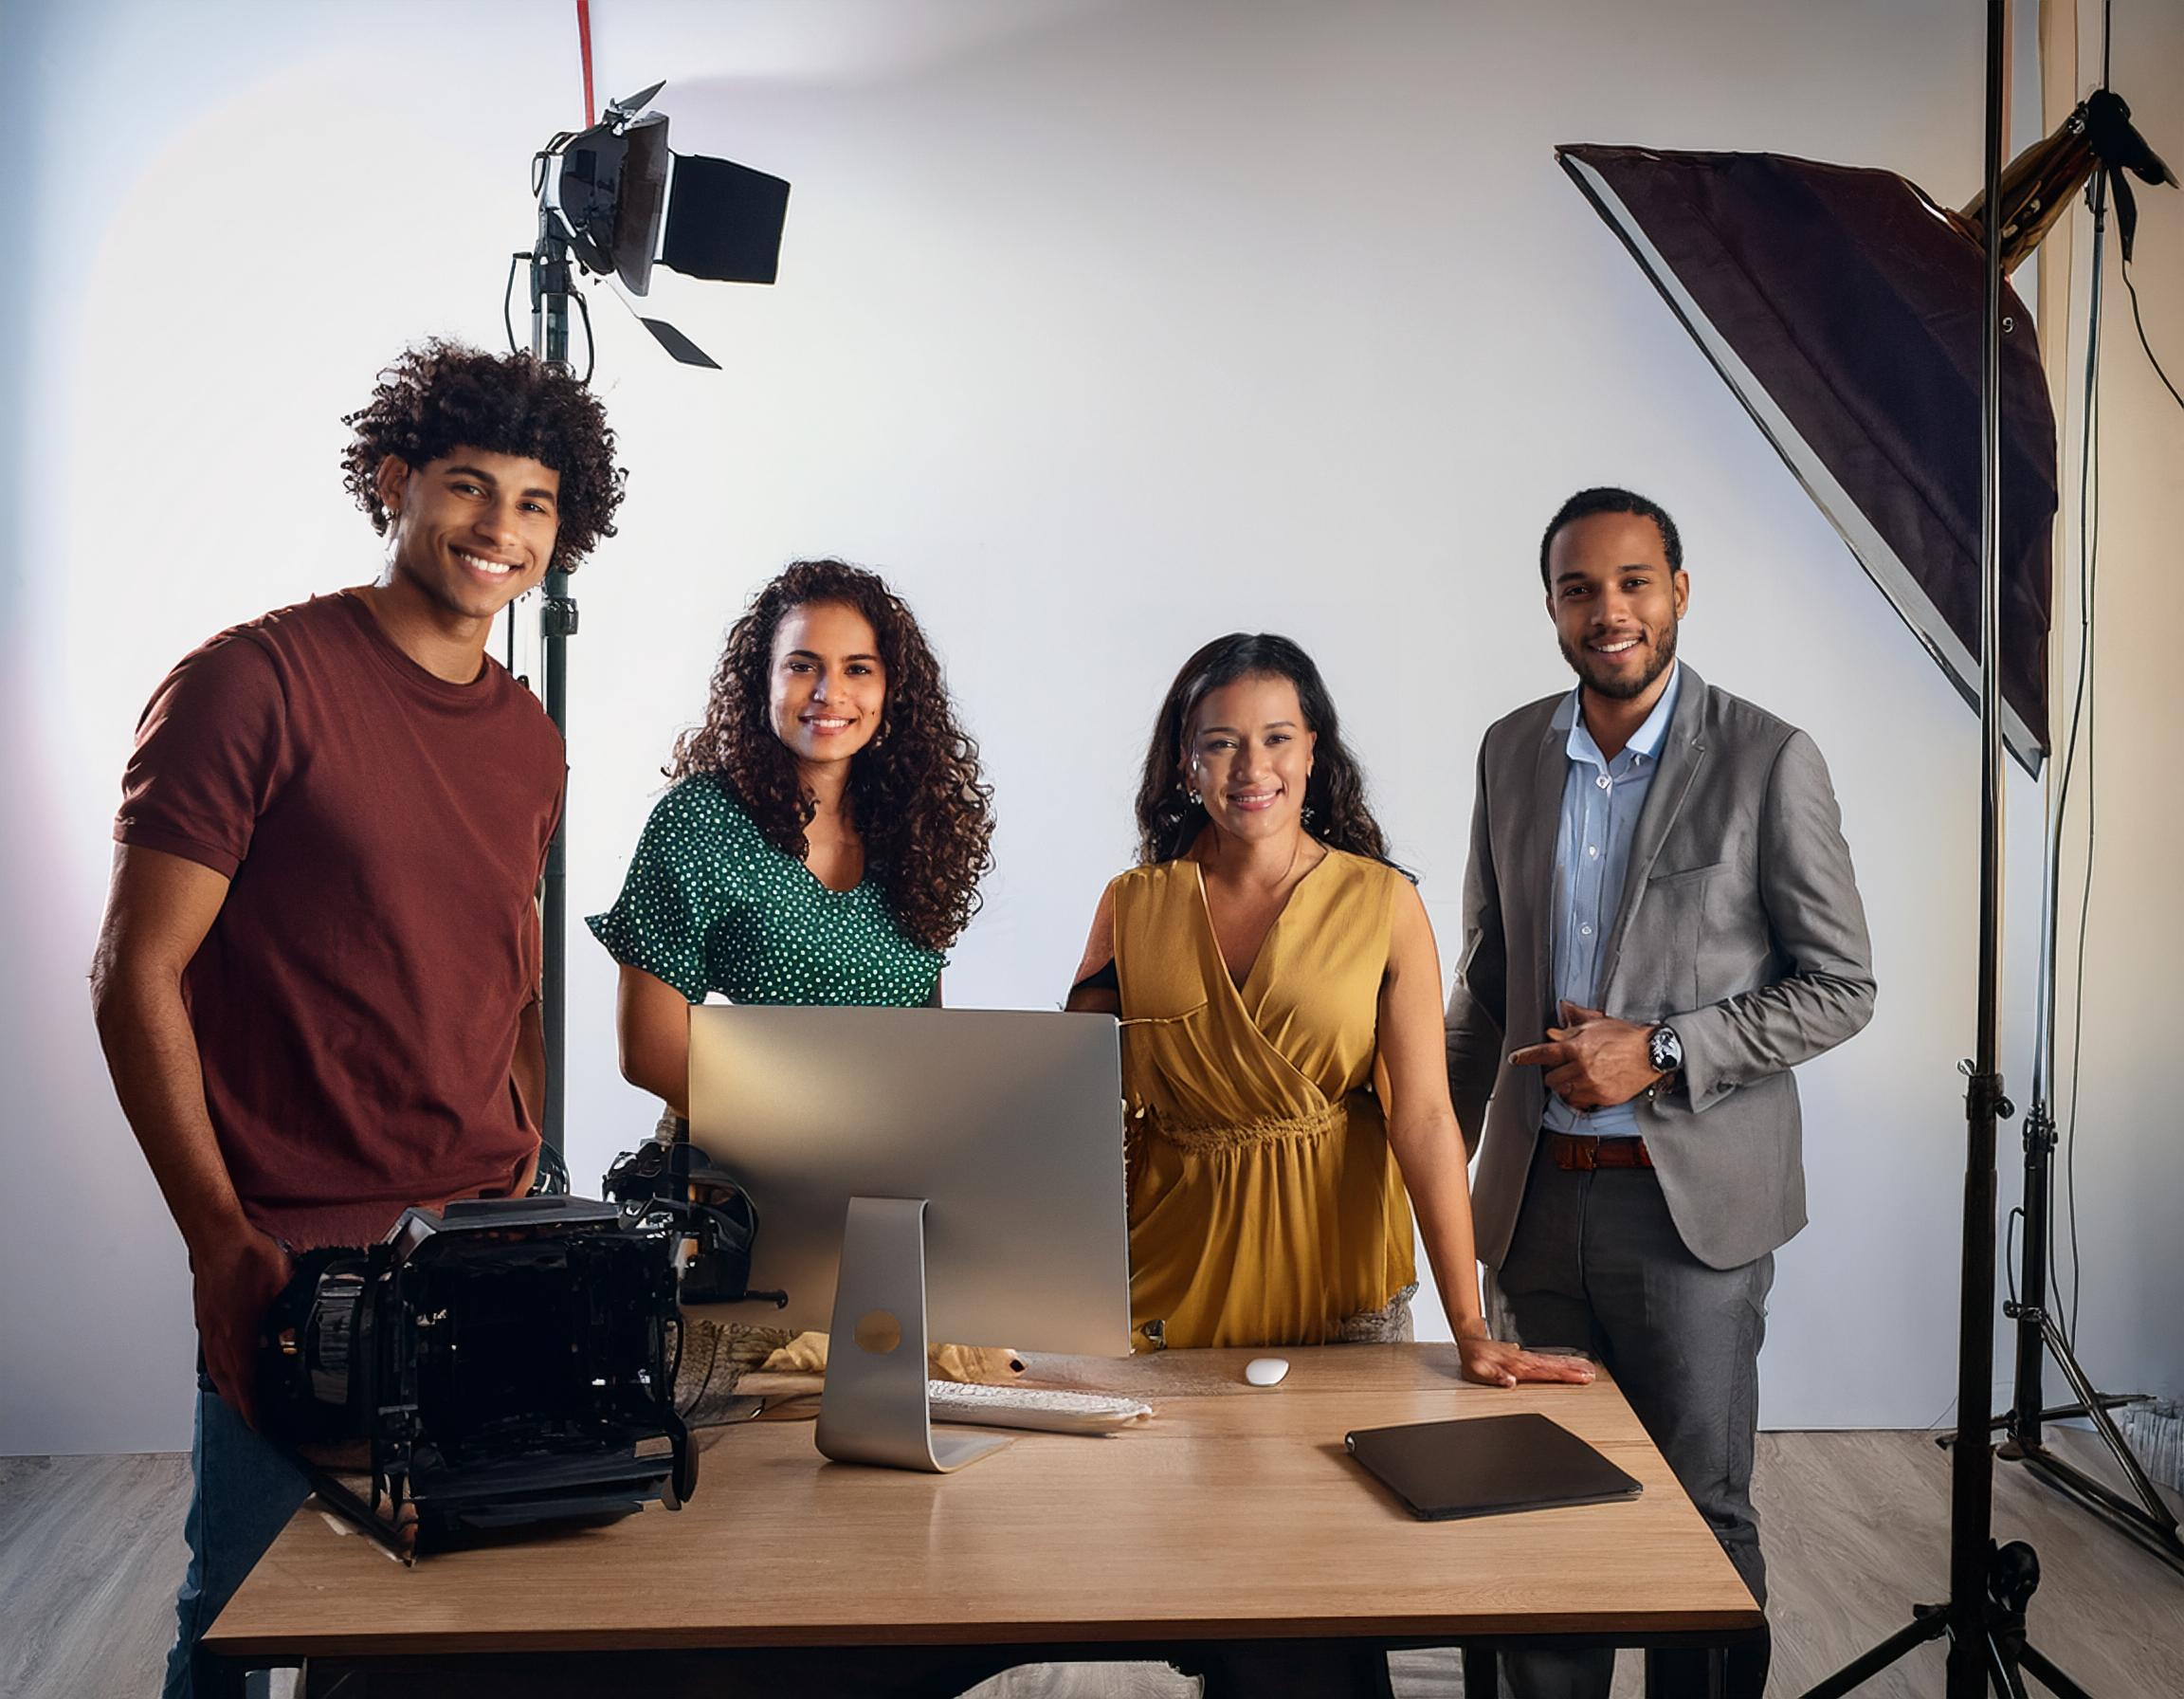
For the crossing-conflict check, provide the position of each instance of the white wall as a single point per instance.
(1103, 328)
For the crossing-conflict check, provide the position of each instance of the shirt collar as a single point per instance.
(1644, 741)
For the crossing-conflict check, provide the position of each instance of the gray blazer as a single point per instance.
(1739, 925)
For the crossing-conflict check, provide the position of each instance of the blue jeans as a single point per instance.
(244, 1491)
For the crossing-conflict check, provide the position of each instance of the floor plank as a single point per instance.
(90, 1555)
(1855, 1527)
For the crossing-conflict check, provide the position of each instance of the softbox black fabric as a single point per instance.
(1844, 308)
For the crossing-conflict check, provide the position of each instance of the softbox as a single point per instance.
(1844, 308)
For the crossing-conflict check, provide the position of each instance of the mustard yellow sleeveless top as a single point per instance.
(1264, 1204)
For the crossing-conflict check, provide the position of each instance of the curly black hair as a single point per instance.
(1608, 499)
(1169, 822)
(915, 792)
(445, 396)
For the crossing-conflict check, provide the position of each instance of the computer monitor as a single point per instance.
(921, 1174)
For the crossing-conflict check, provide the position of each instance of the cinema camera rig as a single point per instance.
(505, 1361)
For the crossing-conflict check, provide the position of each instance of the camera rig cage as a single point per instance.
(501, 1360)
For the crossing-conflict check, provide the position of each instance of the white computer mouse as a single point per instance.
(1265, 1371)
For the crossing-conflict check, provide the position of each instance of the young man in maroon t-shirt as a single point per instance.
(317, 979)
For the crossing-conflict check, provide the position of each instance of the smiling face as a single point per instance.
(827, 693)
(1248, 753)
(471, 533)
(1615, 602)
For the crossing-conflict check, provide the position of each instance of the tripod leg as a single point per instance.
(1853, 1674)
(2141, 1488)
(2048, 1676)
(2007, 1685)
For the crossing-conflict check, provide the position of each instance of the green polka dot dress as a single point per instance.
(710, 905)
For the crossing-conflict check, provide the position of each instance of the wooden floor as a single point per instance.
(1854, 1527)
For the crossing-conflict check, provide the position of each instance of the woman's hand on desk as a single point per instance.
(1497, 1362)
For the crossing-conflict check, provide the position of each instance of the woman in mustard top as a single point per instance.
(1280, 995)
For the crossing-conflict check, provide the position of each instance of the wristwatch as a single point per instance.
(1665, 1055)
(1664, 1050)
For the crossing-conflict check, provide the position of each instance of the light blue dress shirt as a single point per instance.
(1601, 801)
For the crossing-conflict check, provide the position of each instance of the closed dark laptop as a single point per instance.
(1488, 1466)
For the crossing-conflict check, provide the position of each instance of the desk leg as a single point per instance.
(1482, 1673)
(1670, 1673)
(216, 1677)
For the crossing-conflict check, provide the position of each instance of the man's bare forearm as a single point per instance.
(152, 1054)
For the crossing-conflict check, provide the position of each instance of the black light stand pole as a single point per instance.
(1989, 1587)
(553, 281)
(1972, 1478)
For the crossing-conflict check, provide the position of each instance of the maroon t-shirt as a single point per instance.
(383, 831)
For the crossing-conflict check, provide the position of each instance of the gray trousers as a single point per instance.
(1598, 1264)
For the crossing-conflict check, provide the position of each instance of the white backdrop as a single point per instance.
(1102, 329)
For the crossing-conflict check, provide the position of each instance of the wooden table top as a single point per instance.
(1234, 1512)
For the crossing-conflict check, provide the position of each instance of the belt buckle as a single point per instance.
(1584, 1153)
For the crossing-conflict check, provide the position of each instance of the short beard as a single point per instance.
(1615, 690)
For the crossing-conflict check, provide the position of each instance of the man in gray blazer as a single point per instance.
(1660, 923)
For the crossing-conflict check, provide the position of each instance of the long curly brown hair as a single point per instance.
(1169, 822)
(443, 395)
(916, 797)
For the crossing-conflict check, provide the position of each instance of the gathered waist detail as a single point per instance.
(1271, 1129)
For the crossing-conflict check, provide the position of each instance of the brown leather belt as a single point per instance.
(1578, 1153)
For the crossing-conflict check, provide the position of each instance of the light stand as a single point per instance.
(551, 285)
(1990, 1586)
(2144, 1517)
(614, 201)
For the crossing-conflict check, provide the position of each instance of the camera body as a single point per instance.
(502, 1361)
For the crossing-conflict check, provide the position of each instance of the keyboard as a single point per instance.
(1032, 1407)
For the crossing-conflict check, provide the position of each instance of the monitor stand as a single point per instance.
(874, 1407)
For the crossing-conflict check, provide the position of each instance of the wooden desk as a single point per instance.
(1233, 1515)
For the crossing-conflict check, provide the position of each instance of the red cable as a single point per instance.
(584, 42)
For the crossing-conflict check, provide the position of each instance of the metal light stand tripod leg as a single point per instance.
(1989, 1585)
(2144, 1517)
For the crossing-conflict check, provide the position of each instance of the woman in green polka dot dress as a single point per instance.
(826, 833)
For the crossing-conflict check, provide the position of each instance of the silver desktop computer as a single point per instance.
(920, 1174)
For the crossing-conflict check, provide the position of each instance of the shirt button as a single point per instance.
(1591, 848)
(1587, 931)
(1602, 781)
